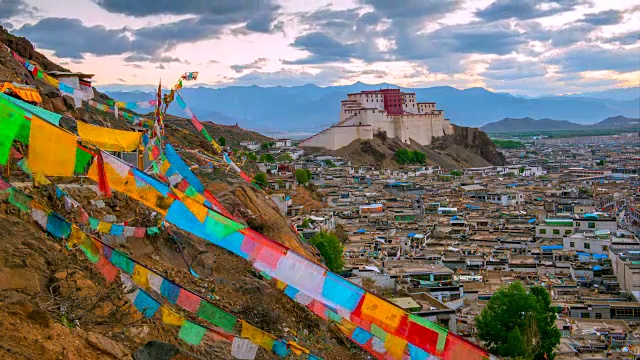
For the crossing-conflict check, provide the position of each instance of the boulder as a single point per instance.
(106, 345)
(156, 350)
(58, 104)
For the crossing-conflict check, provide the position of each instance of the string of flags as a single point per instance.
(133, 119)
(53, 152)
(38, 73)
(143, 285)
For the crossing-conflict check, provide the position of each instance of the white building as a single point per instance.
(592, 243)
(282, 143)
(387, 110)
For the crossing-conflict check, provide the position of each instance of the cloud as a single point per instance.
(512, 69)
(409, 11)
(135, 66)
(630, 38)
(256, 64)
(323, 49)
(69, 38)
(152, 59)
(160, 67)
(291, 77)
(473, 38)
(257, 15)
(609, 17)
(526, 9)
(594, 57)
(11, 8)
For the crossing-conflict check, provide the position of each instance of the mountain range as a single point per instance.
(312, 108)
(528, 124)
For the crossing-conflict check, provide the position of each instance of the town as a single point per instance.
(563, 214)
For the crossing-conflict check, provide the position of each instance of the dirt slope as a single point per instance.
(467, 147)
(55, 305)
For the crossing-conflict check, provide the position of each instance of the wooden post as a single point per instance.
(141, 157)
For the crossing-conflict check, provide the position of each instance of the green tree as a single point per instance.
(330, 248)
(268, 158)
(305, 223)
(301, 176)
(308, 172)
(521, 170)
(508, 144)
(455, 173)
(265, 145)
(329, 163)
(403, 156)
(284, 158)
(252, 156)
(417, 157)
(519, 323)
(222, 141)
(260, 179)
(601, 163)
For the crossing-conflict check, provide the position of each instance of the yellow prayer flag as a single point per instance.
(257, 336)
(104, 227)
(381, 312)
(76, 237)
(395, 346)
(109, 139)
(140, 276)
(52, 151)
(280, 284)
(169, 317)
(297, 349)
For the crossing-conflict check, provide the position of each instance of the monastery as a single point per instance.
(397, 113)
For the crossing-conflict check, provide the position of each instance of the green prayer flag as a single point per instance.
(206, 134)
(192, 333)
(94, 223)
(217, 316)
(19, 200)
(122, 261)
(153, 230)
(82, 159)
(9, 126)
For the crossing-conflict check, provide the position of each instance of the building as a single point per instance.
(390, 111)
(81, 84)
(554, 228)
(282, 143)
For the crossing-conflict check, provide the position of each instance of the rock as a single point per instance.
(69, 102)
(40, 317)
(98, 203)
(106, 345)
(156, 350)
(110, 218)
(47, 104)
(58, 104)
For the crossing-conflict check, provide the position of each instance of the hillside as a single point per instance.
(54, 304)
(511, 125)
(281, 108)
(467, 147)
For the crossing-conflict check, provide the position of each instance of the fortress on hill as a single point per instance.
(397, 113)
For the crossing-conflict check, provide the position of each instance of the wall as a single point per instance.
(339, 136)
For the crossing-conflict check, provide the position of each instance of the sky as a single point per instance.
(526, 47)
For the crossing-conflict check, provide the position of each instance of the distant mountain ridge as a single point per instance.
(313, 108)
(529, 124)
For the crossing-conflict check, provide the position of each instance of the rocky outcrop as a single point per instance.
(474, 140)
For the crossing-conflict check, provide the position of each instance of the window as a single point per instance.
(572, 244)
(567, 232)
(577, 223)
(556, 231)
(591, 225)
(587, 245)
(598, 315)
(585, 315)
(543, 231)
